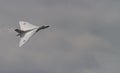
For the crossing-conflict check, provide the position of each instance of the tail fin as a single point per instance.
(18, 30)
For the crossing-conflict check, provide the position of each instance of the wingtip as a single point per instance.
(20, 45)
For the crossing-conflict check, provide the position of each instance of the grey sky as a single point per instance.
(83, 37)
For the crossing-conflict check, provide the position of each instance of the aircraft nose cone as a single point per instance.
(43, 27)
(47, 26)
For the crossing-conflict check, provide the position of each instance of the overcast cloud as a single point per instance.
(83, 37)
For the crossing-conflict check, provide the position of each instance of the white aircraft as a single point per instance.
(26, 31)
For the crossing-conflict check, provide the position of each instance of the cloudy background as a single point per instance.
(84, 36)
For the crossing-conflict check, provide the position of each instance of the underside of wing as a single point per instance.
(27, 36)
(26, 26)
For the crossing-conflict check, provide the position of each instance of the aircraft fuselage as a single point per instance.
(21, 33)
